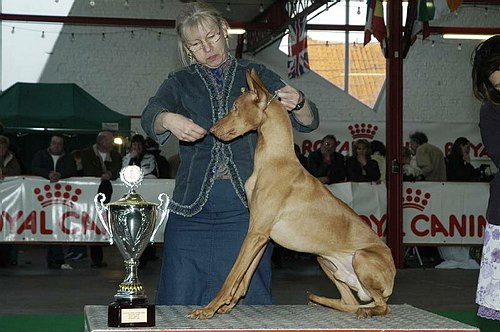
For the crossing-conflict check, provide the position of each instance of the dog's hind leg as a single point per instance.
(347, 303)
(378, 286)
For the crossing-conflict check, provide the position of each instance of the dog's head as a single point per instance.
(248, 110)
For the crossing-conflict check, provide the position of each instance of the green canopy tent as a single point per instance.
(32, 112)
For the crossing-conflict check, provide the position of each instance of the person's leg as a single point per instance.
(96, 255)
(55, 256)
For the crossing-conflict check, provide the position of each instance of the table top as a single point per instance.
(283, 317)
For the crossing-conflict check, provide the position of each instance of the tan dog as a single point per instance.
(298, 212)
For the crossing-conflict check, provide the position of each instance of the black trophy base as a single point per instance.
(136, 313)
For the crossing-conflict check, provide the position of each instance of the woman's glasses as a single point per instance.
(197, 45)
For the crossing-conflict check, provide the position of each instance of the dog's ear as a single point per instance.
(258, 81)
(254, 86)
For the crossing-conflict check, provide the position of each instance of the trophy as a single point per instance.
(131, 223)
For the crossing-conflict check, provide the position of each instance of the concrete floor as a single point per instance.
(31, 288)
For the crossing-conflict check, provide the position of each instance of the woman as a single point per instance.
(9, 166)
(360, 166)
(378, 154)
(209, 213)
(486, 88)
(458, 166)
(137, 155)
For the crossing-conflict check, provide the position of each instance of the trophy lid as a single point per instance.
(132, 177)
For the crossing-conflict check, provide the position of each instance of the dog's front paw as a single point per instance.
(201, 314)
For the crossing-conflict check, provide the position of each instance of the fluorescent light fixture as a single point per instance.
(464, 36)
(236, 31)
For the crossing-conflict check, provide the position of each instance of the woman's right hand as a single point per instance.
(183, 128)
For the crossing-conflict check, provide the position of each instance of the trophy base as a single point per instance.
(126, 313)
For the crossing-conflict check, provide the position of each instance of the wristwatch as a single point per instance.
(301, 102)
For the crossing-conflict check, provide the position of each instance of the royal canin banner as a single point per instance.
(435, 213)
(33, 209)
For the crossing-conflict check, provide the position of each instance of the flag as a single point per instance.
(418, 15)
(433, 9)
(298, 60)
(412, 26)
(375, 24)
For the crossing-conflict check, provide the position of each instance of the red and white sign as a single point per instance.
(32, 209)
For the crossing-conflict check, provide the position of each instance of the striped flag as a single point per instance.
(298, 60)
(375, 24)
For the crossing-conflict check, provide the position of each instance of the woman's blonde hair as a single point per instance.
(196, 14)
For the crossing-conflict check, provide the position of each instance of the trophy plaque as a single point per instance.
(131, 223)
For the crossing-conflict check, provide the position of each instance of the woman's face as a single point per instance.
(361, 149)
(207, 44)
(495, 79)
(137, 147)
(465, 149)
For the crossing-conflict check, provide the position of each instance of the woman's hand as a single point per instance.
(183, 128)
(289, 97)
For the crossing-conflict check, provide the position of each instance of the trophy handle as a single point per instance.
(164, 202)
(99, 205)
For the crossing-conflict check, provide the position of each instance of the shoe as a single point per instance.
(57, 266)
(79, 257)
(98, 265)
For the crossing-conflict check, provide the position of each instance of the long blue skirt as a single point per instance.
(199, 252)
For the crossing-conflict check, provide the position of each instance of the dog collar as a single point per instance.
(270, 100)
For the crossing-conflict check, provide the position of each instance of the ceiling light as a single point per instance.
(464, 36)
(236, 31)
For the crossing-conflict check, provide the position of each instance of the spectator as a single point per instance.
(138, 156)
(360, 166)
(325, 163)
(378, 154)
(458, 166)
(77, 157)
(430, 159)
(486, 88)
(9, 166)
(300, 156)
(54, 164)
(101, 161)
(410, 168)
(161, 162)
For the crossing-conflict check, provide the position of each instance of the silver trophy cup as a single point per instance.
(131, 223)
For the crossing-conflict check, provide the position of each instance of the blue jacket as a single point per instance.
(193, 93)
